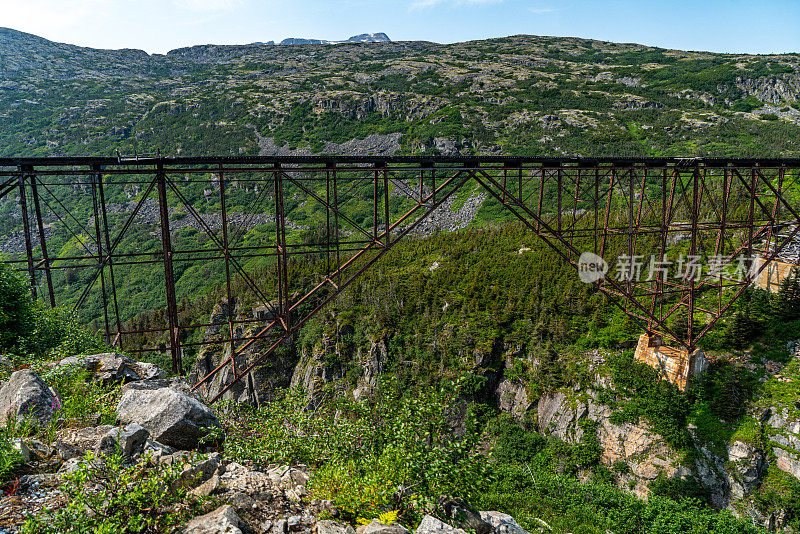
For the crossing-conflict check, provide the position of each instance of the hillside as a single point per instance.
(516, 95)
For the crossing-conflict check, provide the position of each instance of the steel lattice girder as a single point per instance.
(722, 208)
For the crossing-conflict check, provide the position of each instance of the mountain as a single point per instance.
(516, 95)
(361, 38)
(500, 316)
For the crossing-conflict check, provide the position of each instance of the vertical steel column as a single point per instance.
(26, 227)
(227, 254)
(109, 258)
(100, 260)
(327, 221)
(693, 251)
(387, 238)
(751, 214)
(332, 166)
(169, 277)
(375, 204)
(282, 253)
(541, 197)
(559, 178)
(42, 241)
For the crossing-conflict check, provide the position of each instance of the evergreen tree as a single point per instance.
(787, 301)
(739, 331)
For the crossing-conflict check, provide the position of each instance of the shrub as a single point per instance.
(107, 496)
(394, 451)
(769, 117)
(9, 458)
(513, 443)
(16, 308)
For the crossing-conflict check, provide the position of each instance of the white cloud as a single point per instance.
(543, 10)
(422, 4)
(208, 5)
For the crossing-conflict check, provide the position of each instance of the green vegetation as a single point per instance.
(127, 499)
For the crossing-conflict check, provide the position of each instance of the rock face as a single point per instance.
(172, 416)
(223, 520)
(111, 367)
(642, 450)
(262, 380)
(772, 89)
(748, 465)
(26, 396)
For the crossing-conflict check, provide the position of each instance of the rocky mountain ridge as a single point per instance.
(515, 95)
(360, 38)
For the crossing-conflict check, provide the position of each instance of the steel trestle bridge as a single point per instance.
(80, 215)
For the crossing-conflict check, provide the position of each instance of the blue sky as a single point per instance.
(766, 26)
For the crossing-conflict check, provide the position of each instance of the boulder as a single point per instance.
(376, 527)
(462, 516)
(328, 526)
(502, 523)
(203, 469)
(83, 440)
(223, 520)
(110, 367)
(26, 396)
(209, 487)
(131, 439)
(171, 415)
(157, 450)
(66, 451)
(431, 525)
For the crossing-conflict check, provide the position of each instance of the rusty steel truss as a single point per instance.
(644, 208)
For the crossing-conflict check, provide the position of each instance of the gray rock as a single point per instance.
(748, 465)
(65, 451)
(201, 470)
(39, 450)
(88, 439)
(376, 527)
(294, 522)
(157, 450)
(280, 527)
(787, 462)
(243, 501)
(431, 525)
(22, 450)
(26, 396)
(223, 520)
(71, 465)
(5, 363)
(209, 487)
(512, 398)
(328, 526)
(171, 416)
(111, 367)
(131, 439)
(502, 523)
(459, 514)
